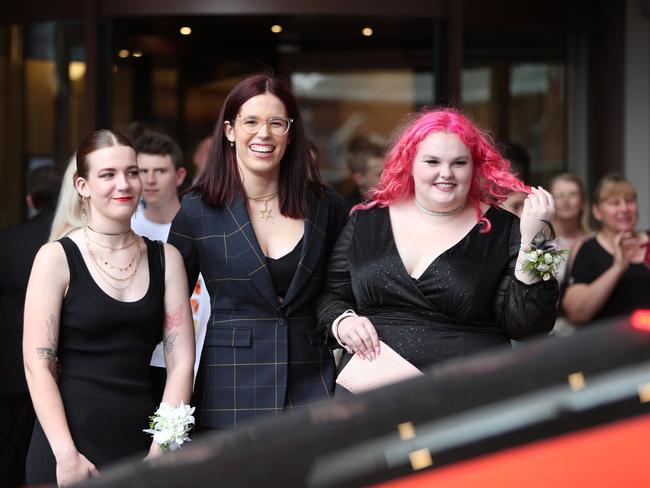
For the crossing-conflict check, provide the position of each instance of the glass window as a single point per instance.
(42, 73)
(523, 103)
(367, 77)
(338, 106)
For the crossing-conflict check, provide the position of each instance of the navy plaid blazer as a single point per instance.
(260, 356)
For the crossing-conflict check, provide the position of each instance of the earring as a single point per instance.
(232, 143)
(84, 215)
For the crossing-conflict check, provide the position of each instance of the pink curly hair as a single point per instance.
(492, 180)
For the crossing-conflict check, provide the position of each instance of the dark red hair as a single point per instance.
(220, 183)
(492, 180)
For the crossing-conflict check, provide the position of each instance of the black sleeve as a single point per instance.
(338, 217)
(337, 295)
(585, 268)
(523, 310)
(182, 238)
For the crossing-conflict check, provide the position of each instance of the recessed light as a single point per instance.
(276, 28)
(367, 31)
(137, 54)
(123, 53)
(185, 30)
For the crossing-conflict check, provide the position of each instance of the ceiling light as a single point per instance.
(185, 30)
(76, 70)
(367, 31)
(276, 28)
(123, 53)
(137, 54)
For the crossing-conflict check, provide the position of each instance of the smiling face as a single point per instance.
(442, 172)
(113, 185)
(617, 213)
(260, 153)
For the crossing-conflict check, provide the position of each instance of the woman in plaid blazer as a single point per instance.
(259, 226)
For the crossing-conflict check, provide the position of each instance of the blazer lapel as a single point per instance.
(312, 243)
(258, 271)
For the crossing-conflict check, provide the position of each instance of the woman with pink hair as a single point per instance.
(431, 265)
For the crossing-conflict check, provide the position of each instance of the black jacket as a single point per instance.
(18, 247)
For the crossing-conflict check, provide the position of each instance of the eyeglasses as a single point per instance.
(278, 126)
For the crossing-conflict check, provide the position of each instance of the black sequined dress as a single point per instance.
(466, 301)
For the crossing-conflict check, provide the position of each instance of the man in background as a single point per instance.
(161, 169)
(18, 247)
(364, 156)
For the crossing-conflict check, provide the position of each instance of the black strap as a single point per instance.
(161, 254)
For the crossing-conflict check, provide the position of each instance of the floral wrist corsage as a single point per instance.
(170, 426)
(543, 258)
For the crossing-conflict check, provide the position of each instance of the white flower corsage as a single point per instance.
(170, 426)
(543, 258)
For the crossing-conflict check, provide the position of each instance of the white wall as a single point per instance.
(636, 143)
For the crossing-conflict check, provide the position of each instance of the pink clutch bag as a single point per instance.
(361, 375)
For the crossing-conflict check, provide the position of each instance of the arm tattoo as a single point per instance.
(46, 353)
(52, 332)
(168, 342)
(174, 319)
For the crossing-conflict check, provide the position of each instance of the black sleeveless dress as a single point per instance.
(104, 351)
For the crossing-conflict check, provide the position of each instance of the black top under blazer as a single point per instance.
(260, 355)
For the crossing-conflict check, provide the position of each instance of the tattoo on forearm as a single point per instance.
(46, 353)
(52, 332)
(168, 341)
(174, 319)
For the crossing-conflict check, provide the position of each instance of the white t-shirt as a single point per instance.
(200, 299)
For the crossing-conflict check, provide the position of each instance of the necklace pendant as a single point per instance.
(265, 214)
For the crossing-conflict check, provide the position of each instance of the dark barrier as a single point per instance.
(459, 410)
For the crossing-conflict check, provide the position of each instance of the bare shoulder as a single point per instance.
(51, 255)
(51, 266)
(173, 257)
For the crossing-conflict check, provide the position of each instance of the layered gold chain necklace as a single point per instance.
(266, 213)
(103, 266)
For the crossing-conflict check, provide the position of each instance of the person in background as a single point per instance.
(431, 265)
(67, 215)
(364, 156)
(610, 276)
(571, 228)
(161, 170)
(18, 247)
(200, 156)
(259, 225)
(571, 211)
(519, 159)
(97, 303)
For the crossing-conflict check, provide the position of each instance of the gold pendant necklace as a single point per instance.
(105, 274)
(266, 214)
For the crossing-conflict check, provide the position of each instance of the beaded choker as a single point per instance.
(433, 213)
